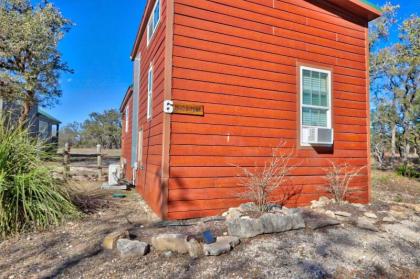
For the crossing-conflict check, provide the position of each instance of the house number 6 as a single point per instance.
(168, 106)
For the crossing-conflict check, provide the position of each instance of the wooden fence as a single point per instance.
(67, 161)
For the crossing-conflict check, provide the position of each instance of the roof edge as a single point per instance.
(127, 96)
(143, 23)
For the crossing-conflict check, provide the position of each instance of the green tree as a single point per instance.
(103, 128)
(71, 133)
(30, 63)
(395, 74)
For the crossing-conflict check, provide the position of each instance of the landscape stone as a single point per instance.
(321, 222)
(371, 215)
(248, 207)
(110, 241)
(329, 213)
(195, 249)
(127, 247)
(342, 213)
(245, 227)
(404, 231)
(217, 248)
(389, 219)
(232, 240)
(267, 223)
(232, 213)
(366, 224)
(171, 242)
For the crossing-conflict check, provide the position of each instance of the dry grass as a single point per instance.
(391, 187)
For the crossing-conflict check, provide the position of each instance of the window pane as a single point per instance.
(156, 15)
(314, 117)
(307, 97)
(324, 89)
(316, 86)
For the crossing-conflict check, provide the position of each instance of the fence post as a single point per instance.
(66, 161)
(99, 154)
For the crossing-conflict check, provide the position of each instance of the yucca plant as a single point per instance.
(30, 197)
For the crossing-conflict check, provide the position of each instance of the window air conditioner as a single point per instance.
(317, 136)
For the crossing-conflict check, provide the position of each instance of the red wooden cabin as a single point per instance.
(260, 71)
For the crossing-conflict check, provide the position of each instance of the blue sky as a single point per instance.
(98, 49)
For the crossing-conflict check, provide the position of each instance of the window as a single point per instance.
(140, 149)
(315, 97)
(153, 21)
(127, 112)
(43, 129)
(150, 93)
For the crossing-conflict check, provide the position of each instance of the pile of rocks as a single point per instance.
(244, 221)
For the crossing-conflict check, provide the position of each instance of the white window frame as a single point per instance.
(329, 95)
(127, 115)
(151, 20)
(150, 93)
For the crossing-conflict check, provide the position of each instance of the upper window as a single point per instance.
(315, 98)
(150, 93)
(153, 21)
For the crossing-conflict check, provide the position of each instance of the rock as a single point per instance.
(399, 214)
(329, 213)
(195, 249)
(389, 219)
(245, 227)
(358, 205)
(128, 247)
(168, 254)
(170, 242)
(232, 213)
(232, 240)
(364, 223)
(318, 223)
(217, 248)
(342, 213)
(267, 223)
(247, 207)
(110, 241)
(404, 231)
(321, 202)
(370, 215)
(274, 223)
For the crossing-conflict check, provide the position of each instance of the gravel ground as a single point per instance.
(73, 250)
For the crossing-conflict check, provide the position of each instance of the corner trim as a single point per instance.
(167, 95)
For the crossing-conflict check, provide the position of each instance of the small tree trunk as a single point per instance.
(393, 141)
(24, 112)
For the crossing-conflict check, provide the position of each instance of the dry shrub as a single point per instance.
(339, 178)
(260, 183)
(88, 200)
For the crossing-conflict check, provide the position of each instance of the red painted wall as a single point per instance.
(148, 182)
(127, 137)
(240, 60)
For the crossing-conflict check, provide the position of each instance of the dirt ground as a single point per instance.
(74, 250)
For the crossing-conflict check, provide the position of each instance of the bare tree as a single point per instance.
(339, 178)
(261, 183)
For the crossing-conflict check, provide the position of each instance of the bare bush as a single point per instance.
(339, 178)
(379, 155)
(260, 183)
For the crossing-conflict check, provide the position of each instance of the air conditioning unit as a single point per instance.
(317, 136)
(115, 173)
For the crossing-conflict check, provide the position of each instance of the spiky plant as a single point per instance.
(30, 197)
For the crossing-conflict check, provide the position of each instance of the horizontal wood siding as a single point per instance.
(126, 139)
(148, 178)
(240, 60)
